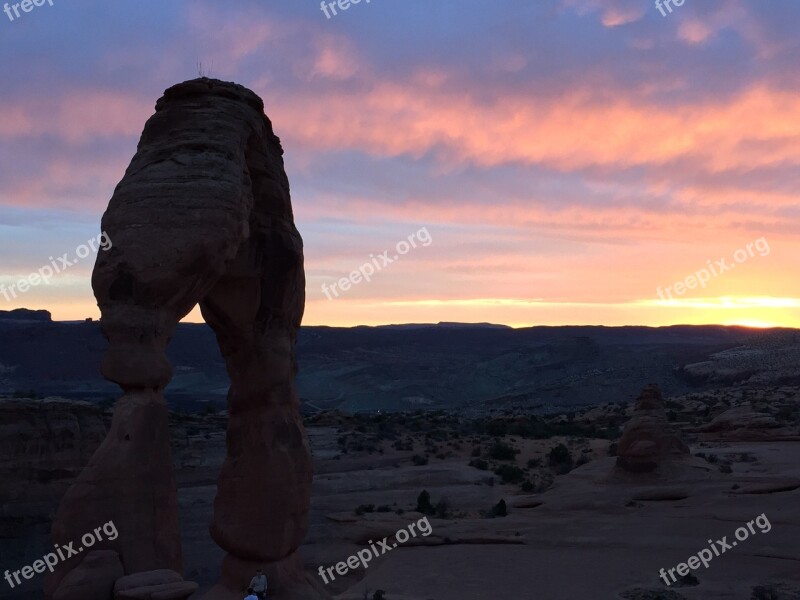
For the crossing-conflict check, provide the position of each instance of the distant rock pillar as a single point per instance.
(648, 440)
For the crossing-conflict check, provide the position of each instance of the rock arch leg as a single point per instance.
(261, 508)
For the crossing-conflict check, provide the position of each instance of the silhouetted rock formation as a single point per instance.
(648, 439)
(203, 215)
(25, 314)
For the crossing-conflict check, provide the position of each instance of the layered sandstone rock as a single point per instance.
(202, 216)
(44, 444)
(648, 440)
(73, 429)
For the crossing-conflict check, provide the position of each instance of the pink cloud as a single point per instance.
(76, 116)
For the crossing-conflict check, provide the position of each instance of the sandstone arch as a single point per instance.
(202, 216)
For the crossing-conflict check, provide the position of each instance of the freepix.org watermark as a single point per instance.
(363, 557)
(62, 552)
(719, 547)
(342, 4)
(26, 6)
(56, 266)
(666, 4)
(703, 276)
(367, 270)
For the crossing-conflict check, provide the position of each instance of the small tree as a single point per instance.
(560, 459)
(500, 509)
(424, 503)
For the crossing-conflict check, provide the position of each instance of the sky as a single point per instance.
(555, 162)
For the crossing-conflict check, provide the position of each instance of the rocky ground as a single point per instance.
(518, 505)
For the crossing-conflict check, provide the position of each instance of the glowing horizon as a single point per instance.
(576, 162)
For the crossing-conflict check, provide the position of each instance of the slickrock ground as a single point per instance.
(572, 532)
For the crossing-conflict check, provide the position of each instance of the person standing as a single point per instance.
(259, 585)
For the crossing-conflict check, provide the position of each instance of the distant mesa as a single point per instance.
(25, 314)
(648, 440)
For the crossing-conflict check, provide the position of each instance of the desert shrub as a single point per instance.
(510, 473)
(582, 460)
(502, 451)
(534, 463)
(436, 434)
(560, 459)
(687, 580)
(525, 429)
(500, 509)
(496, 427)
(406, 445)
(364, 508)
(725, 468)
(527, 486)
(419, 460)
(476, 451)
(479, 463)
(383, 508)
(424, 503)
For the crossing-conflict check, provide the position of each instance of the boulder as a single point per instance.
(93, 578)
(161, 584)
